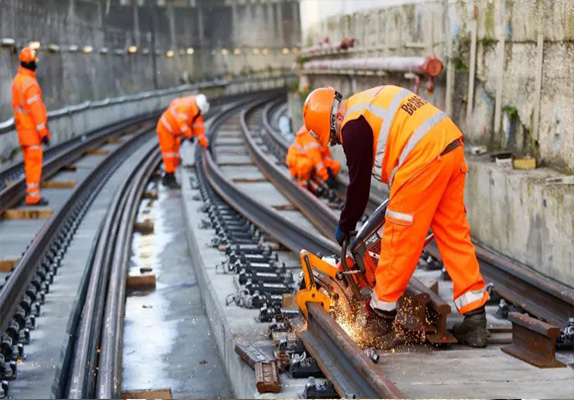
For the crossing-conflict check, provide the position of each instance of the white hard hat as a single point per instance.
(202, 103)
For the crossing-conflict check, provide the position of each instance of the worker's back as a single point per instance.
(400, 121)
(29, 111)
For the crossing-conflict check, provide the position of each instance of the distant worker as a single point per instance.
(183, 117)
(306, 157)
(412, 146)
(31, 122)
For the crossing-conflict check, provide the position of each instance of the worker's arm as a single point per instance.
(358, 146)
(182, 119)
(198, 129)
(33, 99)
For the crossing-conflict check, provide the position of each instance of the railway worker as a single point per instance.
(31, 123)
(183, 117)
(306, 157)
(407, 143)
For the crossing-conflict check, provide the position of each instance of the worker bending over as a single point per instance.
(307, 157)
(407, 143)
(183, 117)
(31, 122)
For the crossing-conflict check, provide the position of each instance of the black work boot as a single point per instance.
(472, 330)
(41, 202)
(169, 181)
(378, 325)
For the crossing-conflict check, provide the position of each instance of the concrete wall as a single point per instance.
(205, 28)
(445, 29)
(74, 121)
(513, 212)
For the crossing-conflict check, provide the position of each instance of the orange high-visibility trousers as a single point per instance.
(169, 145)
(433, 198)
(304, 169)
(33, 156)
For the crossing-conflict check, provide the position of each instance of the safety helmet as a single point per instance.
(319, 114)
(28, 55)
(202, 103)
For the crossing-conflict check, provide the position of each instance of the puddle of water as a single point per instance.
(148, 337)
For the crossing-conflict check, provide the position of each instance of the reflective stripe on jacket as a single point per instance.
(408, 131)
(182, 117)
(30, 115)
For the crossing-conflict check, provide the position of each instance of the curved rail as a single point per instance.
(542, 297)
(65, 154)
(46, 246)
(349, 366)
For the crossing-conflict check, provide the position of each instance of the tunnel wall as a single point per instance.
(213, 30)
(69, 122)
(513, 212)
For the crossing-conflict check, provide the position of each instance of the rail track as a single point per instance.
(99, 311)
(93, 365)
(266, 148)
(542, 297)
(350, 373)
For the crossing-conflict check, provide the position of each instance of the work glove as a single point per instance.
(341, 236)
(46, 140)
(203, 142)
(332, 181)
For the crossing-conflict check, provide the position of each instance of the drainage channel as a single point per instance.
(168, 348)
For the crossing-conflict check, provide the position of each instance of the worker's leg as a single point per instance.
(452, 235)
(409, 215)
(304, 170)
(333, 164)
(33, 167)
(168, 153)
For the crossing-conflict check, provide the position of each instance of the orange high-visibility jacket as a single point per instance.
(182, 117)
(30, 115)
(408, 131)
(308, 146)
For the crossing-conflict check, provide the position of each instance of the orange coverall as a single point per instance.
(427, 191)
(182, 118)
(31, 120)
(306, 156)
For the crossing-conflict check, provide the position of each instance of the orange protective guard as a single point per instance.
(311, 293)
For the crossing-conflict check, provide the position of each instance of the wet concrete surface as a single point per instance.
(40, 372)
(167, 338)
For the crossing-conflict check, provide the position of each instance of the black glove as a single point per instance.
(46, 141)
(332, 181)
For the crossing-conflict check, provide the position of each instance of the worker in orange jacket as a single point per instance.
(31, 123)
(407, 143)
(183, 117)
(306, 157)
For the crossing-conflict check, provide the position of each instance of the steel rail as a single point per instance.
(15, 192)
(543, 297)
(283, 144)
(353, 374)
(15, 288)
(109, 363)
(66, 153)
(536, 294)
(304, 200)
(97, 346)
(271, 221)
